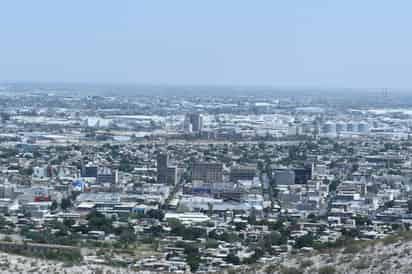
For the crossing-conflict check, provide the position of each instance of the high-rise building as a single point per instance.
(284, 177)
(193, 123)
(107, 175)
(162, 160)
(207, 172)
(303, 174)
(165, 174)
(242, 173)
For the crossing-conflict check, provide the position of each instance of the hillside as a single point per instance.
(390, 255)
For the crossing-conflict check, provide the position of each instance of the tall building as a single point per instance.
(207, 172)
(166, 174)
(284, 176)
(363, 127)
(329, 128)
(341, 127)
(162, 160)
(242, 173)
(89, 171)
(303, 174)
(102, 174)
(193, 123)
(106, 175)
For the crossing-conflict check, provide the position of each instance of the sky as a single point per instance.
(340, 44)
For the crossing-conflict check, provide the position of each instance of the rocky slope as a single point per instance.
(392, 255)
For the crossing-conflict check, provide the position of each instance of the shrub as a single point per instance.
(290, 270)
(351, 249)
(391, 239)
(306, 263)
(328, 269)
(270, 269)
(362, 263)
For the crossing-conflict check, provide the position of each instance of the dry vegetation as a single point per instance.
(390, 255)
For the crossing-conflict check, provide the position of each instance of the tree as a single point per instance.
(389, 204)
(156, 214)
(211, 243)
(66, 203)
(409, 206)
(305, 241)
(209, 209)
(362, 220)
(127, 236)
(26, 171)
(334, 184)
(97, 221)
(192, 256)
(273, 238)
(3, 222)
(125, 165)
(68, 222)
(252, 216)
(327, 269)
(258, 253)
(231, 258)
(53, 205)
(312, 217)
(177, 228)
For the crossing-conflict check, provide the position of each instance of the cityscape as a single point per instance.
(166, 184)
(205, 137)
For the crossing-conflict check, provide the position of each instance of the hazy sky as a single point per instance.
(350, 43)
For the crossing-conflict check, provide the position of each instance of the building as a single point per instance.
(329, 128)
(165, 174)
(40, 172)
(242, 173)
(7, 190)
(353, 127)
(303, 175)
(89, 171)
(207, 172)
(107, 175)
(363, 127)
(37, 209)
(193, 123)
(284, 177)
(187, 217)
(162, 160)
(341, 127)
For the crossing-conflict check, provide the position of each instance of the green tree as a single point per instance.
(66, 203)
(252, 216)
(68, 222)
(155, 214)
(305, 241)
(192, 256)
(127, 236)
(231, 258)
(97, 221)
(53, 205)
(409, 206)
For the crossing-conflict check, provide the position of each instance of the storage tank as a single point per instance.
(363, 127)
(353, 127)
(329, 128)
(341, 126)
